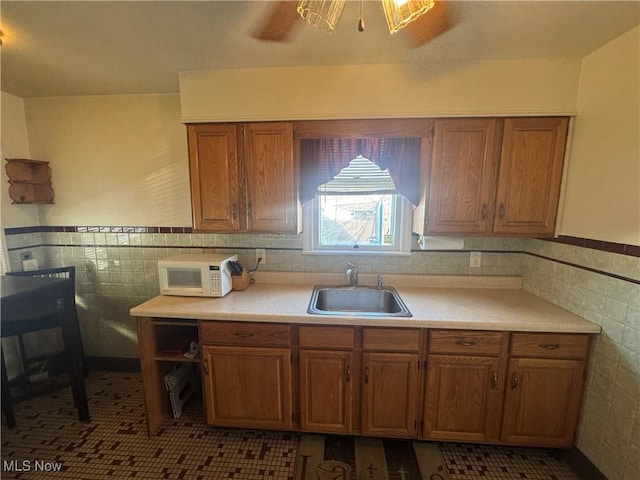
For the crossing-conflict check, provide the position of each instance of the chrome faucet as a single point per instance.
(379, 282)
(352, 274)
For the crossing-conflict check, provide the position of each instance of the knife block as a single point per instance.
(241, 282)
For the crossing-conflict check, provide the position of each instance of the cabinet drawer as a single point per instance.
(241, 333)
(549, 345)
(336, 338)
(391, 339)
(468, 342)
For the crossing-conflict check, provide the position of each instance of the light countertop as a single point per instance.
(475, 303)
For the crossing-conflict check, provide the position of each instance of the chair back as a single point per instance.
(54, 272)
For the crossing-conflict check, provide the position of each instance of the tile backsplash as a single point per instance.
(117, 269)
(603, 287)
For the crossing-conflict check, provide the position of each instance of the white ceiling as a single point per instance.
(53, 48)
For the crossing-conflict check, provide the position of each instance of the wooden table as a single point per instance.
(31, 304)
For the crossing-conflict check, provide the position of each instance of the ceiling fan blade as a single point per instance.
(428, 26)
(279, 21)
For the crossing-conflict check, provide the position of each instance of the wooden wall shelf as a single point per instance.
(29, 181)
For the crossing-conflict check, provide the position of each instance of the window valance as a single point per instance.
(322, 159)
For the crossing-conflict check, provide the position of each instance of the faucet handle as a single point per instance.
(379, 282)
(352, 274)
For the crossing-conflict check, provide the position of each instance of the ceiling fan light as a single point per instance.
(400, 13)
(322, 14)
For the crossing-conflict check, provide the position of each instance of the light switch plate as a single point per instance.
(475, 259)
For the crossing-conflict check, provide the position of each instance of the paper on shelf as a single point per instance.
(179, 382)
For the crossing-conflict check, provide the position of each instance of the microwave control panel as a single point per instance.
(214, 277)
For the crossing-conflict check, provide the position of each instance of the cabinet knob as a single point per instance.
(485, 211)
(549, 346)
(347, 373)
(514, 381)
(501, 211)
(494, 379)
(366, 374)
(205, 365)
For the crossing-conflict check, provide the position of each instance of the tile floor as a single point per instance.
(49, 442)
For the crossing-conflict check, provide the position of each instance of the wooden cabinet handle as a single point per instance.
(494, 379)
(243, 334)
(549, 346)
(514, 381)
(347, 373)
(485, 211)
(205, 365)
(466, 343)
(366, 374)
(501, 211)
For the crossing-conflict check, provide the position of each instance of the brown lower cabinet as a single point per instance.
(389, 394)
(463, 398)
(247, 386)
(326, 391)
(247, 374)
(449, 385)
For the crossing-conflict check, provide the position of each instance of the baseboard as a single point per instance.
(582, 466)
(114, 364)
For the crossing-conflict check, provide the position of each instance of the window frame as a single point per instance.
(311, 233)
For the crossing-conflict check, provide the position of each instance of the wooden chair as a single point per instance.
(55, 272)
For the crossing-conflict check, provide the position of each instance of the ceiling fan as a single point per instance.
(428, 19)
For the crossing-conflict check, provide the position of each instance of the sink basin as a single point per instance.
(355, 301)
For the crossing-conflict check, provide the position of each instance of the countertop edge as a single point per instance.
(498, 309)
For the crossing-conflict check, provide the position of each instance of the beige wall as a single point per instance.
(116, 160)
(15, 144)
(496, 87)
(603, 182)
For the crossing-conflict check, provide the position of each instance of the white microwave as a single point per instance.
(196, 275)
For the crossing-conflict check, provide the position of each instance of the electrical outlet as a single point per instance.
(261, 253)
(475, 259)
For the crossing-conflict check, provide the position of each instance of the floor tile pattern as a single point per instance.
(483, 462)
(49, 442)
(115, 445)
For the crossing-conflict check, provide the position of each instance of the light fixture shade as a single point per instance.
(400, 13)
(322, 14)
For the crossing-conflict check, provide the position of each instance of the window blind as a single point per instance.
(361, 176)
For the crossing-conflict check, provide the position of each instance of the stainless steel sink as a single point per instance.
(354, 301)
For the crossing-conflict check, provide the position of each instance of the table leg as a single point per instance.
(74, 352)
(7, 403)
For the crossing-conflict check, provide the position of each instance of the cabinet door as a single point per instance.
(247, 386)
(215, 185)
(463, 176)
(463, 398)
(542, 401)
(326, 391)
(271, 174)
(389, 394)
(530, 175)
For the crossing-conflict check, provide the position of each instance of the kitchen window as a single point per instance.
(354, 206)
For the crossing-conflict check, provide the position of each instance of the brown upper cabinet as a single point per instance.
(493, 176)
(243, 177)
(464, 170)
(531, 163)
